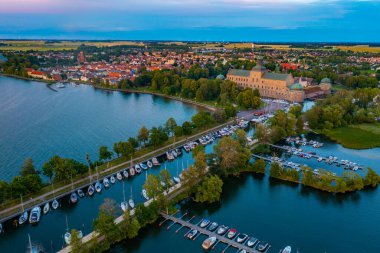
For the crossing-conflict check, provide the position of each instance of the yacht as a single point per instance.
(251, 242)
(155, 161)
(35, 215)
(90, 190)
(231, 234)
(130, 201)
(262, 246)
(204, 223)
(176, 180)
(213, 226)
(124, 204)
(112, 179)
(54, 204)
(119, 176)
(132, 171)
(98, 187)
(80, 193)
(149, 164)
(241, 238)
(287, 249)
(137, 169)
(106, 183)
(125, 174)
(207, 244)
(192, 234)
(68, 236)
(24, 216)
(143, 166)
(222, 230)
(46, 208)
(73, 198)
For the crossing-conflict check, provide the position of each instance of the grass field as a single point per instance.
(359, 48)
(362, 136)
(39, 45)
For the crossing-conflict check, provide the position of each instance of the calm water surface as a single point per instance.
(37, 122)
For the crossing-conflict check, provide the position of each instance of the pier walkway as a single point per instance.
(204, 231)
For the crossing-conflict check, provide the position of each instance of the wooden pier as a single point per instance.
(204, 231)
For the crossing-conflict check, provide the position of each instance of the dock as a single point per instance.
(220, 238)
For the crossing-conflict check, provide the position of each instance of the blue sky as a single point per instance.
(222, 20)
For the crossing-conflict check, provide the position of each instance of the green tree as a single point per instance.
(104, 153)
(187, 128)
(153, 186)
(259, 166)
(261, 133)
(209, 190)
(143, 135)
(371, 178)
(241, 137)
(165, 177)
(202, 119)
(104, 224)
(170, 125)
(28, 168)
(76, 242)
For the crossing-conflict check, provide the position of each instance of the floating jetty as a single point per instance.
(219, 238)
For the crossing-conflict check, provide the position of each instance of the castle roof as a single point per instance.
(296, 86)
(239, 72)
(276, 76)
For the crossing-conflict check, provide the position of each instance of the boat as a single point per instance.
(204, 223)
(231, 234)
(192, 234)
(90, 190)
(213, 226)
(125, 174)
(130, 201)
(262, 246)
(112, 179)
(176, 180)
(24, 216)
(287, 249)
(187, 148)
(80, 193)
(106, 183)
(155, 162)
(119, 176)
(178, 151)
(143, 166)
(174, 154)
(46, 208)
(132, 171)
(60, 85)
(251, 242)
(67, 235)
(241, 238)
(145, 195)
(208, 242)
(222, 230)
(137, 169)
(98, 187)
(35, 215)
(54, 204)
(73, 198)
(33, 248)
(124, 204)
(149, 164)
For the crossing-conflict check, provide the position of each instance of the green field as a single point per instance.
(360, 136)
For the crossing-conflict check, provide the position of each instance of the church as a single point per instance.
(278, 85)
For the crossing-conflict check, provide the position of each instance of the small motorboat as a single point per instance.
(46, 208)
(262, 246)
(132, 171)
(80, 193)
(192, 234)
(112, 179)
(35, 215)
(231, 234)
(242, 238)
(125, 174)
(174, 154)
(90, 190)
(131, 203)
(287, 249)
(119, 176)
(23, 218)
(54, 204)
(98, 187)
(177, 180)
(124, 206)
(251, 242)
(178, 151)
(149, 164)
(143, 166)
(68, 236)
(242, 251)
(73, 198)
(106, 183)
(222, 230)
(204, 223)
(155, 161)
(137, 169)
(213, 226)
(207, 244)
(145, 195)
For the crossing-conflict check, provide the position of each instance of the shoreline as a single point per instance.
(183, 100)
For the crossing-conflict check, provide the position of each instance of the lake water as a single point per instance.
(37, 122)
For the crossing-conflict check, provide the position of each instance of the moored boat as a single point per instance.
(204, 223)
(132, 171)
(73, 198)
(241, 238)
(251, 242)
(98, 187)
(207, 244)
(143, 166)
(222, 230)
(192, 234)
(149, 164)
(125, 174)
(176, 180)
(35, 215)
(54, 204)
(145, 195)
(119, 176)
(262, 246)
(155, 161)
(287, 249)
(23, 218)
(213, 226)
(46, 208)
(80, 193)
(68, 236)
(231, 234)
(90, 190)
(130, 201)
(106, 183)
(112, 179)
(137, 169)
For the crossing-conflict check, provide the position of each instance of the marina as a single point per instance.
(206, 230)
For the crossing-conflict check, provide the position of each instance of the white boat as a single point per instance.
(132, 171)
(144, 193)
(204, 223)
(130, 201)
(125, 174)
(192, 233)
(35, 215)
(80, 193)
(176, 180)
(155, 161)
(67, 235)
(124, 204)
(262, 246)
(98, 187)
(222, 230)
(119, 176)
(241, 238)
(24, 216)
(207, 244)
(143, 166)
(251, 242)
(54, 204)
(231, 233)
(149, 164)
(73, 198)
(287, 249)
(60, 85)
(137, 169)
(106, 183)
(112, 179)
(46, 208)
(90, 190)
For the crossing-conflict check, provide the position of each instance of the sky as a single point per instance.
(193, 20)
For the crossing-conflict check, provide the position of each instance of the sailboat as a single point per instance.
(176, 179)
(90, 189)
(112, 179)
(67, 235)
(33, 248)
(143, 192)
(24, 216)
(131, 202)
(73, 196)
(46, 208)
(106, 183)
(55, 203)
(124, 204)
(98, 186)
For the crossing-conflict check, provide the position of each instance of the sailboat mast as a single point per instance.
(22, 204)
(123, 192)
